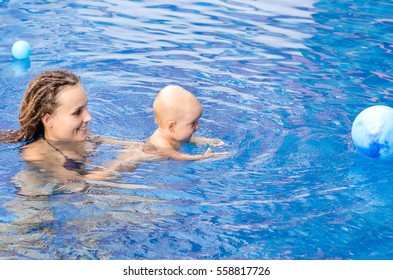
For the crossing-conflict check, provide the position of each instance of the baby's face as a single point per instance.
(187, 124)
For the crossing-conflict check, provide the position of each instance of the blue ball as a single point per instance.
(372, 132)
(21, 50)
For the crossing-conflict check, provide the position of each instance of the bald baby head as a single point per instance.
(174, 102)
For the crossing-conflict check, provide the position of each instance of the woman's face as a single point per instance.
(70, 119)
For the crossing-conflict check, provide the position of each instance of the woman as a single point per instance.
(54, 122)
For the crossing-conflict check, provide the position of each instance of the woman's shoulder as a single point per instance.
(34, 151)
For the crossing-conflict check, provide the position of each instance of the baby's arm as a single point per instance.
(197, 140)
(208, 154)
(170, 152)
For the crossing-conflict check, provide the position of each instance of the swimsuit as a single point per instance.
(69, 164)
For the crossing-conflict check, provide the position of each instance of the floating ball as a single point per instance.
(21, 50)
(372, 132)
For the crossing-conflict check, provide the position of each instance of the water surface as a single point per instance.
(280, 83)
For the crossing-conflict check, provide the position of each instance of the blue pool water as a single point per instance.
(280, 82)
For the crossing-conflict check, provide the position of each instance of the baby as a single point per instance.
(177, 113)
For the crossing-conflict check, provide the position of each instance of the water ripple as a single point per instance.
(280, 83)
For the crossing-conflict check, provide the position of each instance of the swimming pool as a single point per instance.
(280, 83)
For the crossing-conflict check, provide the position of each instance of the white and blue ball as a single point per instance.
(372, 132)
(21, 50)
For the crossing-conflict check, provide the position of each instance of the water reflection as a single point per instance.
(20, 66)
(279, 81)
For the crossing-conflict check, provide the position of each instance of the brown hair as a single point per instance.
(40, 98)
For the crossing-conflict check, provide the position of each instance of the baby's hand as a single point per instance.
(215, 142)
(209, 154)
(206, 141)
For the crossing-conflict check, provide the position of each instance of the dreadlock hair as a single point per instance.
(41, 97)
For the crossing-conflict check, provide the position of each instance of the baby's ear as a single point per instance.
(171, 125)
